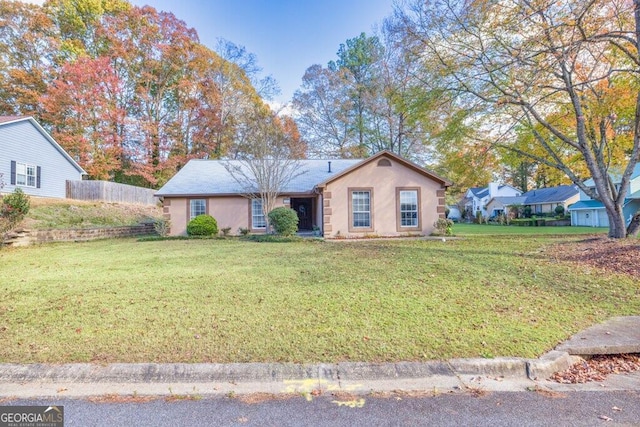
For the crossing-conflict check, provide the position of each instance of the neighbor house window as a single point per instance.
(257, 214)
(197, 207)
(25, 175)
(408, 208)
(360, 209)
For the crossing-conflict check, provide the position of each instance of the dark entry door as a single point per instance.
(304, 209)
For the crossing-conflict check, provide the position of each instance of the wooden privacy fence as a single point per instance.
(110, 192)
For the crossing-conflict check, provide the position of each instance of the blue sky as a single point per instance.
(287, 36)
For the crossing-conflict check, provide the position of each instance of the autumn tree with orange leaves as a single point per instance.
(128, 91)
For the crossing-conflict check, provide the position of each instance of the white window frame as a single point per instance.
(361, 209)
(23, 177)
(194, 211)
(416, 211)
(258, 220)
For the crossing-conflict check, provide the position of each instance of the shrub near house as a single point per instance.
(202, 225)
(13, 209)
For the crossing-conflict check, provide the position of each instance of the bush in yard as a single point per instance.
(559, 210)
(444, 226)
(162, 227)
(15, 206)
(284, 221)
(202, 225)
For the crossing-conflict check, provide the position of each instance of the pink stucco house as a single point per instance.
(383, 195)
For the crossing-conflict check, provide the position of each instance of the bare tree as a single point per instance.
(267, 164)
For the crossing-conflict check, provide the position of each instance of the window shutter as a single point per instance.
(13, 172)
(38, 173)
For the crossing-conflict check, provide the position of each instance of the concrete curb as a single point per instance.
(183, 380)
(262, 372)
(548, 364)
(507, 367)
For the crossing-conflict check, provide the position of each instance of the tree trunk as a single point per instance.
(634, 226)
(617, 224)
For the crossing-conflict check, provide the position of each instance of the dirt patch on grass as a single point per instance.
(612, 255)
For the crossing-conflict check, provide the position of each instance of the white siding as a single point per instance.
(590, 218)
(22, 142)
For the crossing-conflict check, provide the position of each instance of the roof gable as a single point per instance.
(617, 176)
(6, 120)
(385, 153)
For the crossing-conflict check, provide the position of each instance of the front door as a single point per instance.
(303, 208)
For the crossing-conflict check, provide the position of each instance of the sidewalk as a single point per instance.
(618, 335)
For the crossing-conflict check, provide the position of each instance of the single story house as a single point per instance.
(383, 195)
(477, 198)
(591, 213)
(32, 160)
(540, 200)
(500, 205)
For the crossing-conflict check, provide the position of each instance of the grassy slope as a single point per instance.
(234, 301)
(65, 213)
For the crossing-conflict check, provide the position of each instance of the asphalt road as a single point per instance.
(593, 408)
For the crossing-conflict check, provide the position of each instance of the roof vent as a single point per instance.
(329, 171)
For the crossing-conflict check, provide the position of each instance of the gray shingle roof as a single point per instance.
(479, 191)
(211, 177)
(550, 195)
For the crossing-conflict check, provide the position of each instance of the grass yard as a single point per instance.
(464, 229)
(237, 301)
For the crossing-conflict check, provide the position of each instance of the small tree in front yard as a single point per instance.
(268, 161)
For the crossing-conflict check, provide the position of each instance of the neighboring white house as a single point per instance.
(477, 199)
(32, 160)
(591, 213)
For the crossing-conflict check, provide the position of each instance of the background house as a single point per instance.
(591, 213)
(540, 200)
(383, 195)
(476, 199)
(32, 160)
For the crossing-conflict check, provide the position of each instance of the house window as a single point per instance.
(361, 209)
(257, 214)
(197, 207)
(25, 175)
(408, 208)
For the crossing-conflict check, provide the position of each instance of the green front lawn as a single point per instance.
(237, 301)
(464, 229)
